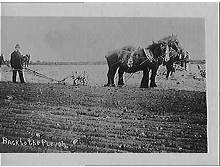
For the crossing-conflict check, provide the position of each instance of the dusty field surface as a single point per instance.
(40, 117)
(96, 74)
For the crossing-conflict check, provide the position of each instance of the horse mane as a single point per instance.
(119, 50)
(168, 38)
(155, 49)
(128, 48)
(153, 46)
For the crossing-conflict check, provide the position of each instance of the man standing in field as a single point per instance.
(1, 62)
(16, 64)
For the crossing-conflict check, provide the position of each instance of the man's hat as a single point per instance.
(17, 46)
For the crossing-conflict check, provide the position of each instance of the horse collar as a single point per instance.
(149, 55)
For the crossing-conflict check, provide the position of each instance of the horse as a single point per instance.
(26, 60)
(142, 59)
(173, 58)
(185, 59)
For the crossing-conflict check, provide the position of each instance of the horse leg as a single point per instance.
(28, 61)
(168, 71)
(109, 77)
(120, 77)
(153, 76)
(112, 68)
(181, 63)
(24, 63)
(185, 66)
(112, 75)
(172, 70)
(145, 78)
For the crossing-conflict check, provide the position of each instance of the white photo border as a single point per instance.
(208, 11)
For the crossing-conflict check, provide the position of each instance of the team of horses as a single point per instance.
(166, 51)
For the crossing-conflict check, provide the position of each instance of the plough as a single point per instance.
(77, 80)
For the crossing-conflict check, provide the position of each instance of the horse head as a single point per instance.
(167, 54)
(173, 42)
(173, 56)
(130, 61)
(28, 56)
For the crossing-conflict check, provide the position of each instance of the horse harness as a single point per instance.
(149, 55)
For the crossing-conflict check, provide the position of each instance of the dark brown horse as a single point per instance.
(142, 59)
(181, 58)
(175, 55)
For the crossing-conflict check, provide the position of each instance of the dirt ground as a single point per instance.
(37, 117)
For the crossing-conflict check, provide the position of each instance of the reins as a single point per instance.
(82, 76)
(41, 75)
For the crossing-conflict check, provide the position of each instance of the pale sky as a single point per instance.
(90, 38)
(79, 32)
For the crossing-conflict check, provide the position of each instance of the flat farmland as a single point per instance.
(41, 117)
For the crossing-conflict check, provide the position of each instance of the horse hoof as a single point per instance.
(109, 85)
(120, 84)
(153, 86)
(144, 86)
(112, 85)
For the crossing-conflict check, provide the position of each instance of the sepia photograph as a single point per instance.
(83, 81)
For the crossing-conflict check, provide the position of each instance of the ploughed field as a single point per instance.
(40, 117)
